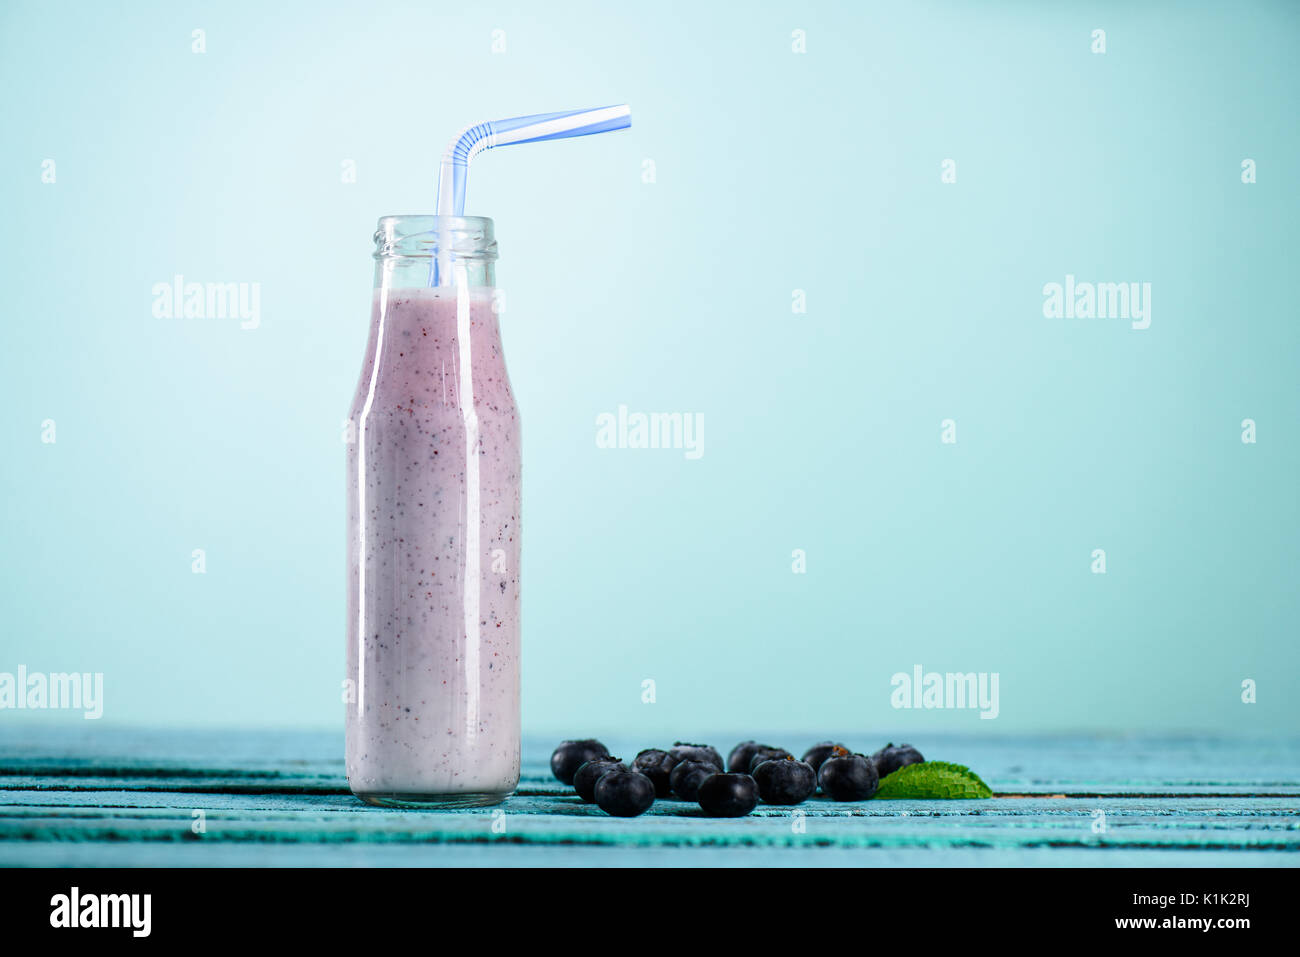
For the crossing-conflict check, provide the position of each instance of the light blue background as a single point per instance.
(775, 172)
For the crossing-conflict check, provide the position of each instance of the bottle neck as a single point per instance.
(439, 251)
(417, 272)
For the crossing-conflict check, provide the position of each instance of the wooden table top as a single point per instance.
(74, 796)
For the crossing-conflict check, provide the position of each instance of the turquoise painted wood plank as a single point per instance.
(131, 797)
(117, 854)
(1266, 823)
(250, 760)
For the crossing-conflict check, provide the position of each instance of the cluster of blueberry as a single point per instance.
(695, 772)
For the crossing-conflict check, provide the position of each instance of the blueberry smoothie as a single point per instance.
(433, 554)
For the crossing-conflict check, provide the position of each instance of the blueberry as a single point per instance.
(889, 758)
(785, 781)
(624, 793)
(767, 754)
(656, 765)
(687, 777)
(743, 753)
(571, 755)
(697, 752)
(728, 795)
(820, 752)
(848, 777)
(584, 782)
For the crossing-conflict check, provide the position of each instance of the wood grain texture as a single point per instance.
(115, 797)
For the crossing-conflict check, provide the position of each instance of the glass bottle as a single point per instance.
(433, 528)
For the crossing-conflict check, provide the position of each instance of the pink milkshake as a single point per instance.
(433, 517)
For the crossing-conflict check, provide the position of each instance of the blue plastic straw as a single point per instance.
(522, 129)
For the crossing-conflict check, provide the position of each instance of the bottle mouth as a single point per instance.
(460, 238)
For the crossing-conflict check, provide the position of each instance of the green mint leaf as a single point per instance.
(933, 781)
